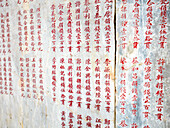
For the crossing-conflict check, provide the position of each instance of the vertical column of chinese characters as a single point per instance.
(148, 65)
(60, 26)
(53, 31)
(25, 24)
(148, 32)
(124, 24)
(147, 89)
(63, 89)
(1, 51)
(87, 61)
(62, 61)
(32, 29)
(97, 61)
(122, 88)
(88, 89)
(54, 79)
(63, 119)
(79, 90)
(107, 89)
(97, 85)
(70, 90)
(27, 78)
(53, 17)
(7, 37)
(10, 76)
(5, 75)
(78, 59)
(108, 46)
(79, 62)
(39, 33)
(136, 85)
(5, 51)
(160, 88)
(61, 14)
(41, 80)
(69, 26)
(70, 62)
(148, 25)
(21, 74)
(136, 17)
(34, 78)
(78, 25)
(1, 77)
(107, 76)
(134, 89)
(97, 27)
(78, 82)
(122, 82)
(161, 60)
(87, 24)
(108, 26)
(20, 33)
(163, 23)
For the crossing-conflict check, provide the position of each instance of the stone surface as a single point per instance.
(72, 63)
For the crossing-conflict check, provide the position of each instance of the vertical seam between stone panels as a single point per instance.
(115, 62)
